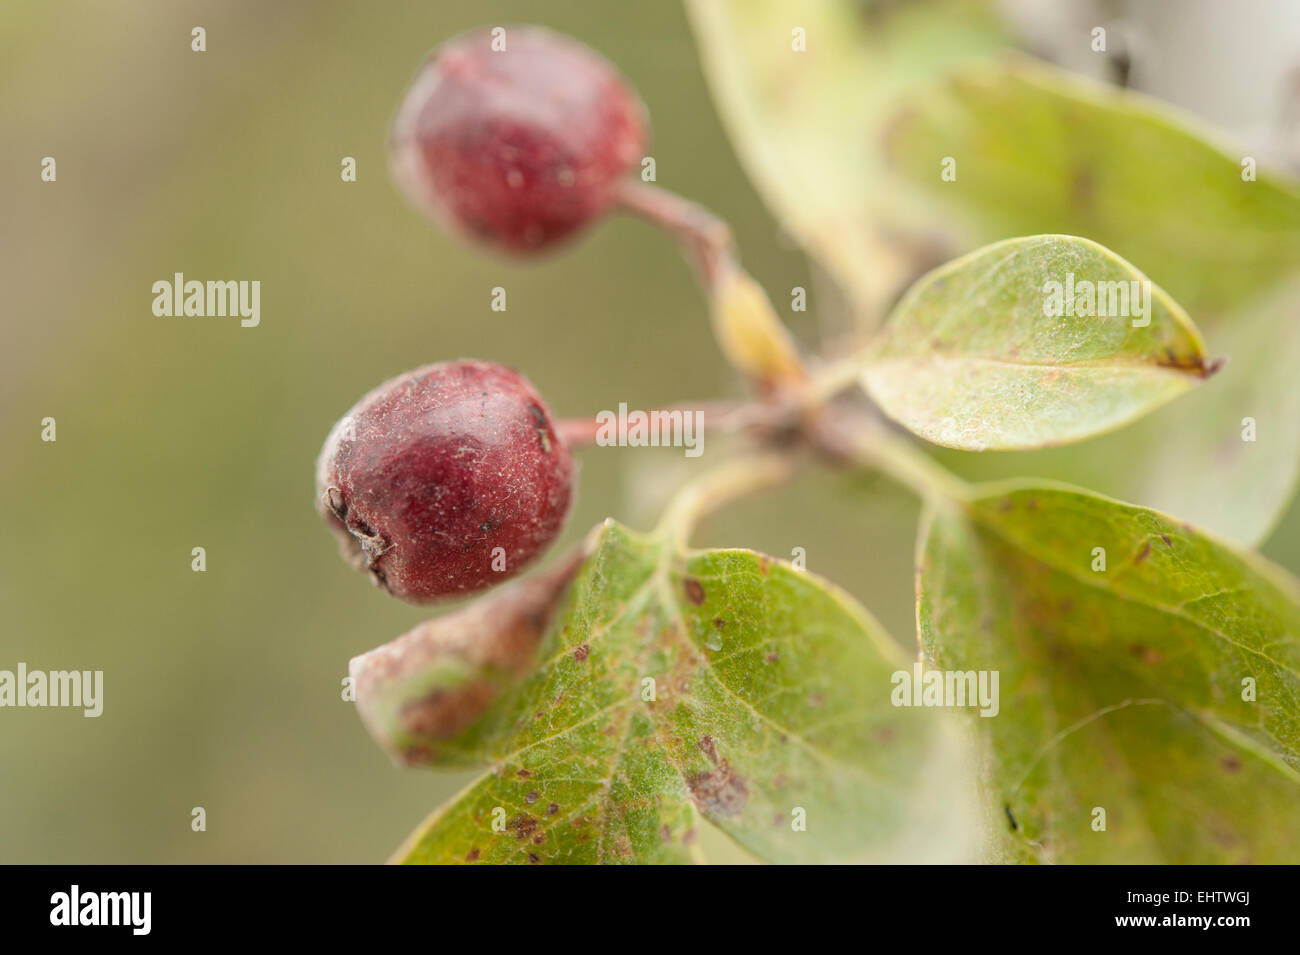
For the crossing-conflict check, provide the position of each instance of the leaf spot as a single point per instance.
(523, 826)
(719, 792)
(694, 590)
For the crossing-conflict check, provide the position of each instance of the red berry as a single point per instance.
(520, 147)
(433, 471)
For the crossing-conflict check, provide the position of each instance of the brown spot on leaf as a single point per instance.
(719, 792)
(1194, 364)
(523, 826)
(1165, 538)
(552, 809)
(1148, 655)
(417, 755)
(694, 590)
(580, 654)
(533, 858)
(1230, 763)
(472, 855)
(531, 798)
(444, 713)
(523, 773)
(1083, 186)
(719, 622)
(1143, 553)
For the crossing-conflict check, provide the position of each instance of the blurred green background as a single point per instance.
(222, 689)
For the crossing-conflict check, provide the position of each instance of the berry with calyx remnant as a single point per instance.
(518, 147)
(445, 480)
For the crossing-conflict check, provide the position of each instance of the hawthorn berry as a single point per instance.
(519, 147)
(445, 480)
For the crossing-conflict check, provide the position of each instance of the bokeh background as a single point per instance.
(223, 688)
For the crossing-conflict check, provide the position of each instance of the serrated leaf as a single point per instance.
(1037, 150)
(770, 695)
(808, 123)
(1005, 349)
(1121, 689)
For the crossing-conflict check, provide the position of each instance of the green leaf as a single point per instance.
(1121, 688)
(808, 124)
(1031, 342)
(1037, 150)
(846, 143)
(1200, 457)
(771, 694)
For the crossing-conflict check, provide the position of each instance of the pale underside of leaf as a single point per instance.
(1038, 151)
(1225, 457)
(771, 695)
(1121, 688)
(995, 351)
(978, 404)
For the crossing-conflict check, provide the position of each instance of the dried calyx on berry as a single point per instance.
(445, 480)
(516, 137)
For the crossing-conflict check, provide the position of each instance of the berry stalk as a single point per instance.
(745, 324)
